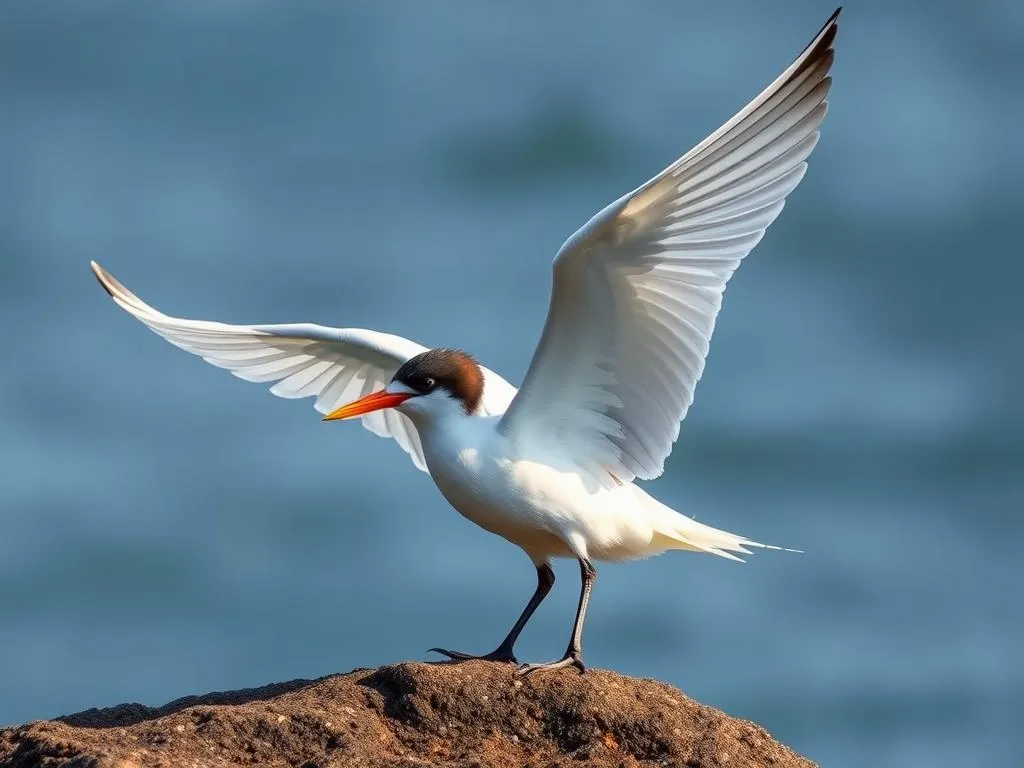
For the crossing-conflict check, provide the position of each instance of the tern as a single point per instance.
(636, 291)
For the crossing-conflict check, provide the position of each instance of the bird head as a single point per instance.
(434, 384)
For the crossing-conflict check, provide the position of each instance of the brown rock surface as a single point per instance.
(410, 716)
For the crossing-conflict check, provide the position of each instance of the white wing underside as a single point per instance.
(636, 291)
(336, 365)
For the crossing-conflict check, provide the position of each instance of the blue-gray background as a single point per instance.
(167, 529)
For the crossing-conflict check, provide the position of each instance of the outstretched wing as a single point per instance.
(636, 291)
(335, 365)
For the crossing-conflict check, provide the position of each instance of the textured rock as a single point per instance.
(471, 714)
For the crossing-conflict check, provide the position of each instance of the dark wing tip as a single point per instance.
(827, 33)
(820, 46)
(102, 277)
(116, 291)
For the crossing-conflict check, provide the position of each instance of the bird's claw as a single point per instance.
(498, 654)
(570, 660)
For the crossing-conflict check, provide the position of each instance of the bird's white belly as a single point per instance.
(546, 512)
(480, 490)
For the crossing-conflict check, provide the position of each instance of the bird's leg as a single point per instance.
(574, 653)
(545, 580)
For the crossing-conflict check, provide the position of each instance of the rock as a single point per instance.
(472, 714)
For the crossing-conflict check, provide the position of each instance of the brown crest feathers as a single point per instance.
(450, 369)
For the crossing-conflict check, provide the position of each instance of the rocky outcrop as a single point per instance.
(409, 715)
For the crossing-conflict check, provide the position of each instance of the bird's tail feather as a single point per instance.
(682, 532)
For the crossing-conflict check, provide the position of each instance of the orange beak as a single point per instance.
(372, 402)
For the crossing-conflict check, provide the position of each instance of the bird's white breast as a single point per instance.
(547, 512)
(466, 459)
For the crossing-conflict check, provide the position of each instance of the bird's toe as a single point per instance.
(572, 660)
(499, 654)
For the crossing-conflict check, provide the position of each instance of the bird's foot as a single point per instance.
(498, 654)
(571, 659)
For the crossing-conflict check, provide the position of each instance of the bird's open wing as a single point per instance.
(636, 291)
(334, 364)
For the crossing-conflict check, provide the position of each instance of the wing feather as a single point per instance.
(335, 365)
(636, 291)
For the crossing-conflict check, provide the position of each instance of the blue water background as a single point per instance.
(167, 529)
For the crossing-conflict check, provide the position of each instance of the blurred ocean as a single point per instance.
(167, 529)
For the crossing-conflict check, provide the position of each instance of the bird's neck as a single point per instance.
(447, 420)
(448, 439)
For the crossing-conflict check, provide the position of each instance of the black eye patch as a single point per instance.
(423, 384)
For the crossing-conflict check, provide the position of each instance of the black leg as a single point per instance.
(545, 580)
(574, 653)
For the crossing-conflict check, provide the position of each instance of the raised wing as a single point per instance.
(334, 364)
(636, 291)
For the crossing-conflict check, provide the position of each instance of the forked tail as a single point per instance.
(677, 531)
